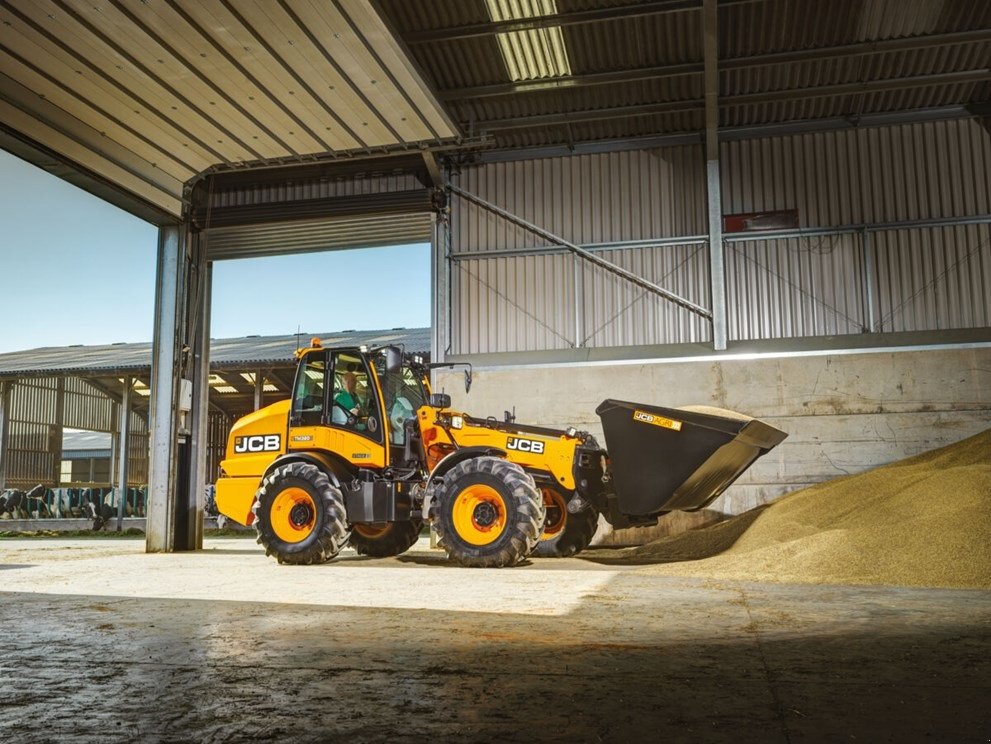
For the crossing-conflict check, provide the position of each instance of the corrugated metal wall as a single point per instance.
(587, 199)
(796, 287)
(35, 440)
(218, 427)
(39, 410)
(329, 233)
(936, 278)
(921, 278)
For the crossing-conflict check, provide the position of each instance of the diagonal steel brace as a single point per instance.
(587, 255)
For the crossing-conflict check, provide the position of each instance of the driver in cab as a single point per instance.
(347, 399)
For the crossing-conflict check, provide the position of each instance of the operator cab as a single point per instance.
(350, 389)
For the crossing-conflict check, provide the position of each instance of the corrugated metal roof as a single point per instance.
(145, 95)
(248, 352)
(149, 94)
(77, 439)
(636, 53)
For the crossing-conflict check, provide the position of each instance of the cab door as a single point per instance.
(309, 400)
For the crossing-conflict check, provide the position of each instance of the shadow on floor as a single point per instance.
(644, 659)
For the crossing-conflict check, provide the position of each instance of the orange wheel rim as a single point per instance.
(479, 514)
(370, 531)
(557, 514)
(293, 515)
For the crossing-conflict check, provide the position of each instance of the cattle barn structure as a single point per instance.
(604, 181)
(97, 392)
(779, 207)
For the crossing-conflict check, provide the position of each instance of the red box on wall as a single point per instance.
(783, 219)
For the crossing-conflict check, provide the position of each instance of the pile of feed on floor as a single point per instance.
(922, 521)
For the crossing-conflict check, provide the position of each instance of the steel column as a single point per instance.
(870, 279)
(123, 442)
(440, 286)
(198, 440)
(259, 388)
(5, 390)
(717, 272)
(57, 434)
(576, 270)
(163, 419)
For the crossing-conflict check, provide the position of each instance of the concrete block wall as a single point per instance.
(844, 412)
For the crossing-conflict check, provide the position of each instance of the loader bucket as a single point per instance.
(664, 459)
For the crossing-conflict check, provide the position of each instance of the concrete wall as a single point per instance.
(844, 413)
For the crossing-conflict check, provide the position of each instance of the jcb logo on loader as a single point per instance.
(650, 418)
(525, 445)
(258, 443)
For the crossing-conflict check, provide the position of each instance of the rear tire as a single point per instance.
(393, 538)
(565, 534)
(491, 513)
(299, 515)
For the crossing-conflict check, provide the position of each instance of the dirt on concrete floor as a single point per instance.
(105, 643)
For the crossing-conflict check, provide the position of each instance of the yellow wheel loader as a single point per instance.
(364, 454)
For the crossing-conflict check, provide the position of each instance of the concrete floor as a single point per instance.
(101, 642)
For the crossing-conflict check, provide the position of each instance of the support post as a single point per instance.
(870, 281)
(717, 276)
(198, 440)
(439, 295)
(56, 435)
(259, 389)
(5, 394)
(123, 437)
(166, 349)
(576, 272)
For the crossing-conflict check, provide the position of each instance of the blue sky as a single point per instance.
(76, 270)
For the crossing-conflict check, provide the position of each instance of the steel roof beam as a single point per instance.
(790, 94)
(568, 82)
(390, 202)
(572, 18)
(434, 174)
(727, 134)
(909, 43)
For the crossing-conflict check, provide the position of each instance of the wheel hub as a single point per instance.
(485, 514)
(300, 515)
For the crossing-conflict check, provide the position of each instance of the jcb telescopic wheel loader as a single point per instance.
(364, 454)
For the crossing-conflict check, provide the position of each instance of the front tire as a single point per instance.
(299, 515)
(565, 534)
(490, 513)
(388, 539)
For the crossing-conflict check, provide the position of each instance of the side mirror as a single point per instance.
(440, 400)
(467, 380)
(393, 359)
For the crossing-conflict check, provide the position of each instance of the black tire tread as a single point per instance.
(525, 530)
(579, 529)
(400, 537)
(334, 531)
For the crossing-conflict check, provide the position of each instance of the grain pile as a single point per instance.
(924, 521)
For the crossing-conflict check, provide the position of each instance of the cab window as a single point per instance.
(404, 394)
(308, 398)
(354, 403)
